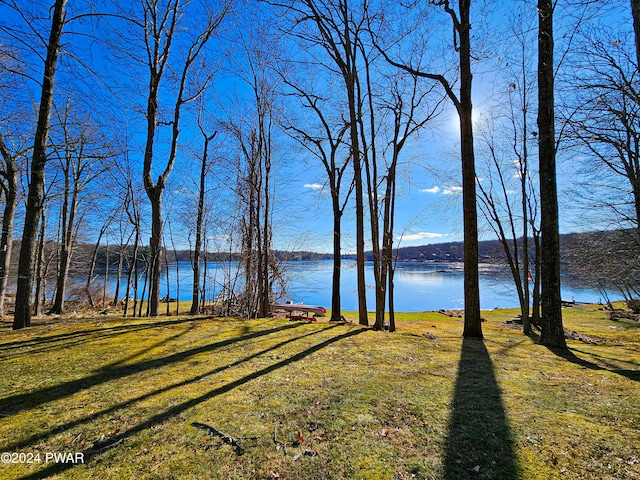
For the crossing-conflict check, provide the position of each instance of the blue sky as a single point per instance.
(428, 207)
(429, 196)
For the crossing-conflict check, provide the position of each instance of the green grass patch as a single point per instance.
(320, 400)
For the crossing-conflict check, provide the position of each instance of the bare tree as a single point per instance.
(335, 28)
(92, 264)
(14, 148)
(132, 207)
(253, 136)
(80, 158)
(326, 142)
(162, 25)
(42, 262)
(606, 124)
(507, 193)
(499, 206)
(204, 169)
(9, 174)
(552, 330)
(462, 102)
(396, 109)
(605, 129)
(33, 212)
(410, 112)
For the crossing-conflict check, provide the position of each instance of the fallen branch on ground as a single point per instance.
(228, 439)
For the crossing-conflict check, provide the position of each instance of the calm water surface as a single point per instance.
(418, 286)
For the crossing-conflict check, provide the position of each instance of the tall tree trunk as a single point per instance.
(370, 161)
(363, 318)
(41, 270)
(526, 269)
(24, 294)
(68, 221)
(92, 267)
(8, 216)
(116, 294)
(524, 179)
(387, 246)
(535, 304)
(472, 319)
(265, 292)
(336, 307)
(462, 102)
(635, 11)
(552, 330)
(155, 246)
(349, 73)
(195, 302)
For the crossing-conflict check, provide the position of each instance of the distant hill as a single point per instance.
(577, 251)
(609, 259)
(603, 254)
(573, 249)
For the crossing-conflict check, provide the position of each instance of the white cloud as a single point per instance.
(313, 186)
(445, 190)
(421, 235)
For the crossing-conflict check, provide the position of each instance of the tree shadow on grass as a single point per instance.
(43, 343)
(189, 404)
(23, 401)
(479, 442)
(39, 437)
(568, 355)
(613, 363)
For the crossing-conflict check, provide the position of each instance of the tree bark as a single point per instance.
(552, 330)
(6, 240)
(535, 303)
(68, 220)
(363, 318)
(387, 240)
(42, 267)
(266, 283)
(24, 295)
(155, 247)
(370, 162)
(635, 11)
(472, 318)
(116, 294)
(336, 314)
(159, 33)
(526, 269)
(195, 298)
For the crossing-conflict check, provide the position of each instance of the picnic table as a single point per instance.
(300, 311)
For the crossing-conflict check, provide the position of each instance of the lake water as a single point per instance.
(418, 286)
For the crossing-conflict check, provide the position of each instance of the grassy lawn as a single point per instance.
(313, 401)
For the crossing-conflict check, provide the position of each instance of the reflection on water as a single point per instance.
(418, 286)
